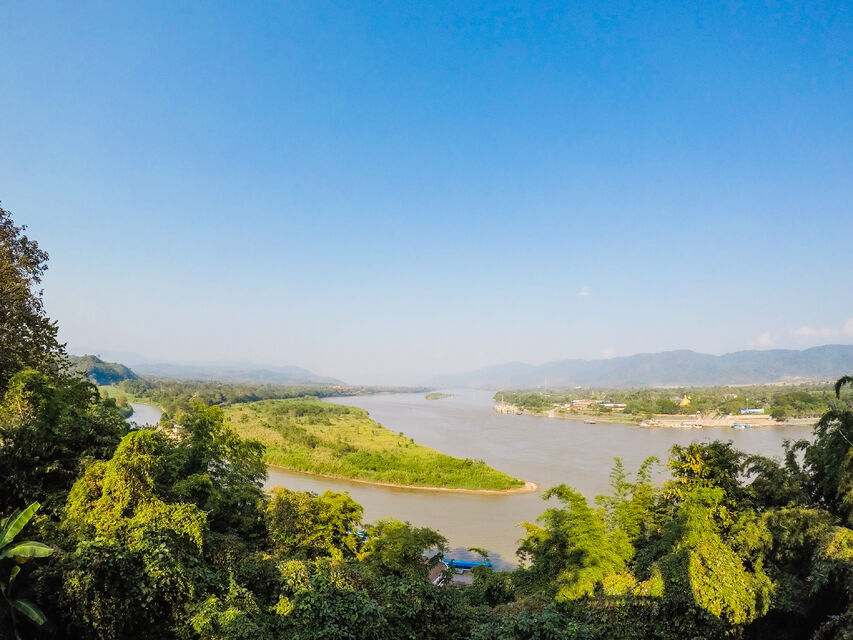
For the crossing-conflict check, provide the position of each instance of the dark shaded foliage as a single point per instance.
(28, 338)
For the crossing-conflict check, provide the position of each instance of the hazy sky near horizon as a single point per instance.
(380, 191)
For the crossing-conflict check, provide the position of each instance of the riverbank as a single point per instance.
(664, 421)
(113, 391)
(338, 441)
(528, 487)
(513, 410)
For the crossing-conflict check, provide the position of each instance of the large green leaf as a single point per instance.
(5, 522)
(30, 610)
(27, 549)
(14, 523)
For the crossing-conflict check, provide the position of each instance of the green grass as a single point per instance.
(435, 395)
(114, 391)
(320, 437)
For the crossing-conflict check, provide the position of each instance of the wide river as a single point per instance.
(546, 451)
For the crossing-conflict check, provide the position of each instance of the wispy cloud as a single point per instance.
(608, 352)
(812, 332)
(845, 330)
(764, 339)
(585, 292)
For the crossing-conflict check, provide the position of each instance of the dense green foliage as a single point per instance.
(306, 434)
(781, 402)
(800, 404)
(101, 372)
(173, 537)
(49, 427)
(530, 400)
(13, 553)
(305, 526)
(121, 402)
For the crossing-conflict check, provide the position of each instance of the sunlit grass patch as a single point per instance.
(312, 436)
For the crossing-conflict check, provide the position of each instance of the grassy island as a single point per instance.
(435, 395)
(312, 436)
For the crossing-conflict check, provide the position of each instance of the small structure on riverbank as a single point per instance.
(506, 409)
(461, 571)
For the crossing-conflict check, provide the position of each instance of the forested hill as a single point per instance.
(670, 368)
(101, 372)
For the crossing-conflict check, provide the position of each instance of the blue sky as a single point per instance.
(380, 191)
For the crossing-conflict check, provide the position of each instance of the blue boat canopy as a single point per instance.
(465, 564)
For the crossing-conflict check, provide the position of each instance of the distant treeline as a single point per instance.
(179, 395)
(781, 402)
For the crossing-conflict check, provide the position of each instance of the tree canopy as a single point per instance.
(28, 338)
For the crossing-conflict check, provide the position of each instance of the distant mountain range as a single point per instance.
(222, 371)
(234, 372)
(666, 369)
